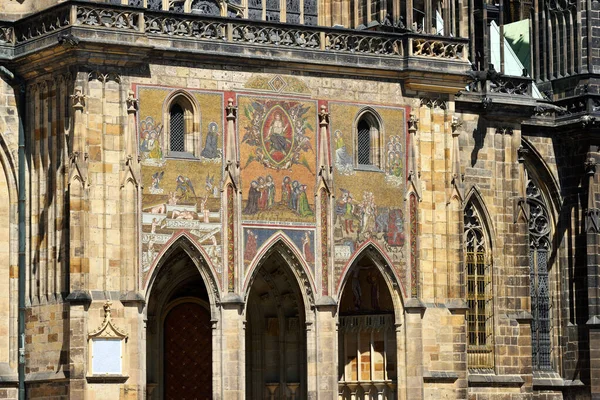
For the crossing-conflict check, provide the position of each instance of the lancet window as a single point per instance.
(182, 122)
(539, 250)
(367, 140)
(177, 129)
(479, 291)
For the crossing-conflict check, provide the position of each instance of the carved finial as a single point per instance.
(590, 166)
(231, 110)
(132, 102)
(107, 309)
(521, 153)
(412, 123)
(323, 116)
(456, 123)
(78, 98)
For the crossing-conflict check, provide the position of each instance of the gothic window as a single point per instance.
(182, 123)
(367, 351)
(177, 129)
(479, 292)
(367, 141)
(364, 143)
(539, 250)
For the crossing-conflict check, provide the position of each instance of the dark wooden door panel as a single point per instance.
(188, 353)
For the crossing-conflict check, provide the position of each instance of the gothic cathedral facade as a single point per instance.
(299, 199)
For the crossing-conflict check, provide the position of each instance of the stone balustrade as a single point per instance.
(366, 390)
(159, 23)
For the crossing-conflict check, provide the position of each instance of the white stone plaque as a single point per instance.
(106, 356)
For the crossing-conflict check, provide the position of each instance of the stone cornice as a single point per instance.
(82, 32)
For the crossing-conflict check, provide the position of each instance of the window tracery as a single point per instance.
(539, 249)
(479, 291)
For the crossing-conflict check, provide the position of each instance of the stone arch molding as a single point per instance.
(372, 251)
(371, 112)
(186, 246)
(281, 245)
(475, 197)
(536, 165)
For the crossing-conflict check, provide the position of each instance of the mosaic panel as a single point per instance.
(180, 194)
(278, 158)
(369, 203)
(256, 236)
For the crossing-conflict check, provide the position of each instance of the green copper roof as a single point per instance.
(517, 35)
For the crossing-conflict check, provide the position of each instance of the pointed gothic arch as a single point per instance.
(8, 259)
(182, 313)
(370, 313)
(180, 245)
(189, 139)
(279, 308)
(284, 247)
(477, 281)
(368, 136)
(538, 168)
(475, 197)
(541, 275)
(393, 282)
(543, 205)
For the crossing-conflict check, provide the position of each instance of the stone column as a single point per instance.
(312, 348)
(233, 346)
(592, 228)
(414, 311)
(327, 353)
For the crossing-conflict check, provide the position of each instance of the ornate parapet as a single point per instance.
(438, 47)
(84, 24)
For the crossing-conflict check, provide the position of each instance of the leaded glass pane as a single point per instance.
(479, 293)
(364, 147)
(177, 132)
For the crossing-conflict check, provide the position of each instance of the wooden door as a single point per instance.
(188, 353)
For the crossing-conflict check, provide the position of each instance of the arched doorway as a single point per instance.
(275, 335)
(179, 336)
(367, 337)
